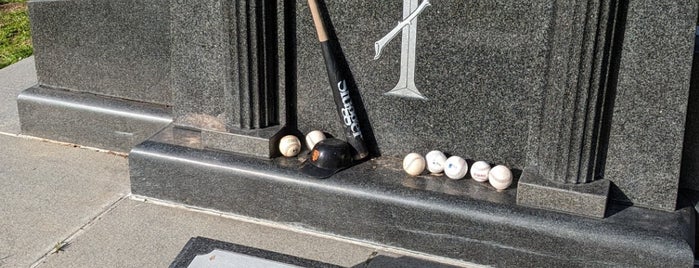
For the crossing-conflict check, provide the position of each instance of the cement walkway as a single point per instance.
(68, 206)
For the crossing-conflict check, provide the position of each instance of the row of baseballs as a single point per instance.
(290, 145)
(455, 167)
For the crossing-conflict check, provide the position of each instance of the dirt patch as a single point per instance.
(10, 7)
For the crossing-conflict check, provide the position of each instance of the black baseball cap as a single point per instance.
(327, 158)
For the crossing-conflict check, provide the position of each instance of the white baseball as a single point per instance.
(435, 161)
(500, 177)
(290, 145)
(479, 171)
(314, 137)
(414, 164)
(455, 167)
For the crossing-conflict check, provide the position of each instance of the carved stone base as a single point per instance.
(375, 201)
(260, 143)
(589, 199)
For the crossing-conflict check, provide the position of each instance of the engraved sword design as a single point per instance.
(406, 83)
(379, 45)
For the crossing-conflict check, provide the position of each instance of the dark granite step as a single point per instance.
(89, 119)
(375, 201)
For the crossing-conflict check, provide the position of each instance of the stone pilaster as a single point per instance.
(226, 72)
(567, 145)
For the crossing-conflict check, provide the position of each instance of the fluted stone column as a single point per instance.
(567, 144)
(227, 64)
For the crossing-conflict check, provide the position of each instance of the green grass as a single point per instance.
(15, 38)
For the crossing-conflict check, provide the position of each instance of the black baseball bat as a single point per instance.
(337, 75)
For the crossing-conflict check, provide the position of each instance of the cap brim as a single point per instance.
(316, 172)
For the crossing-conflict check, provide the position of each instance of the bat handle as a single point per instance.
(318, 21)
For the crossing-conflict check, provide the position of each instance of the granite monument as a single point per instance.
(589, 102)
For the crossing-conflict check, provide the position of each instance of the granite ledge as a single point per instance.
(376, 202)
(587, 199)
(258, 142)
(89, 119)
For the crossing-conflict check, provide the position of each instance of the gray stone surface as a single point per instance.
(404, 262)
(226, 69)
(227, 64)
(140, 234)
(587, 199)
(515, 83)
(19, 75)
(483, 74)
(14, 79)
(647, 131)
(260, 143)
(114, 48)
(48, 192)
(376, 201)
(200, 56)
(567, 137)
(88, 119)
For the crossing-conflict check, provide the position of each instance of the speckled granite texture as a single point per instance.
(509, 82)
(200, 53)
(88, 119)
(261, 143)
(103, 70)
(645, 146)
(481, 64)
(515, 83)
(376, 201)
(587, 199)
(227, 65)
(114, 48)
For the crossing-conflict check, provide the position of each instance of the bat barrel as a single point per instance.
(338, 75)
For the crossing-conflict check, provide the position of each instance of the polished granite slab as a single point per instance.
(375, 201)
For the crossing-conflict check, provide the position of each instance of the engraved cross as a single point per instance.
(406, 83)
